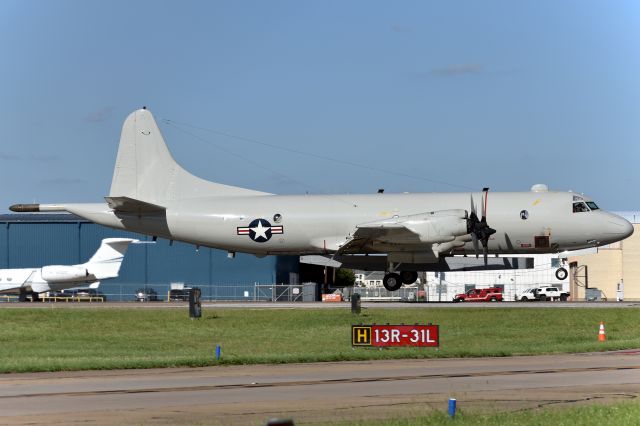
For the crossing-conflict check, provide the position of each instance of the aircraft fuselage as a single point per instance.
(316, 224)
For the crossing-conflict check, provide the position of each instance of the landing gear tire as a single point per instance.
(392, 282)
(561, 274)
(408, 277)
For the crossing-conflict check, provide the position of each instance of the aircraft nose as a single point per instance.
(619, 227)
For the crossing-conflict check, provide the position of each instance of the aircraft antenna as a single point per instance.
(368, 167)
(253, 162)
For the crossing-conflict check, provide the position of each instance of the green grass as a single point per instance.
(80, 339)
(627, 413)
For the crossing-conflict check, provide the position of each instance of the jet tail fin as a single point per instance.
(146, 171)
(106, 262)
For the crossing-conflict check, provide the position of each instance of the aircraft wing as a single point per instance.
(418, 229)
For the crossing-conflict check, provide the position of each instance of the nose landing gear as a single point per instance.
(561, 274)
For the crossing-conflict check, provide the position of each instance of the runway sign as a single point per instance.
(395, 335)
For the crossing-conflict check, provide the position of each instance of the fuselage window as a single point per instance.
(580, 207)
(592, 205)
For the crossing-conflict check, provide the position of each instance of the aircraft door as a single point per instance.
(541, 242)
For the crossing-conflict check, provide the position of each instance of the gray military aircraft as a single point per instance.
(399, 233)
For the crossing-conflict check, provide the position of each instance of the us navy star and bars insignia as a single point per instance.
(260, 230)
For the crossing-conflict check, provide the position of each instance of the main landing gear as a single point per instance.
(393, 281)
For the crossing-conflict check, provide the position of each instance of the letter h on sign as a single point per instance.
(360, 335)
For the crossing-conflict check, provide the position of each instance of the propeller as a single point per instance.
(478, 228)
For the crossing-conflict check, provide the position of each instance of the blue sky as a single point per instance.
(423, 96)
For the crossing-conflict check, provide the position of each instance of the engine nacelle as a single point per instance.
(438, 227)
(60, 273)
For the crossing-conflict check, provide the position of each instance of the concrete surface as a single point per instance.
(311, 393)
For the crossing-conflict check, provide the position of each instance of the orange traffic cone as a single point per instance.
(601, 334)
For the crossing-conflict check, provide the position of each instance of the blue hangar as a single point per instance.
(33, 240)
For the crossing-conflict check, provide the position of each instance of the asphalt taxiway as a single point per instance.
(317, 392)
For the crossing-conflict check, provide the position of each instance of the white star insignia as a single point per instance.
(260, 230)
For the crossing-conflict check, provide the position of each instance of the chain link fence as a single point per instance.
(256, 292)
(216, 292)
(381, 294)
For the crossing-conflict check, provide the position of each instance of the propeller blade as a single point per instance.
(485, 248)
(473, 206)
(484, 202)
(479, 228)
(474, 238)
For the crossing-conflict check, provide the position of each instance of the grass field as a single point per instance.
(78, 339)
(627, 413)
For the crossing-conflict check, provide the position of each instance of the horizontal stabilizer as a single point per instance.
(131, 205)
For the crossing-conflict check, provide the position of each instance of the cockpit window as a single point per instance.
(592, 205)
(580, 207)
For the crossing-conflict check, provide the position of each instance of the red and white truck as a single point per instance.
(491, 294)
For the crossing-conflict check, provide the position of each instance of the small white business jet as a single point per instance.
(398, 233)
(104, 264)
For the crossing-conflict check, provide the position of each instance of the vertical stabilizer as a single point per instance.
(106, 262)
(146, 171)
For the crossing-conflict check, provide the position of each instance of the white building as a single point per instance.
(444, 286)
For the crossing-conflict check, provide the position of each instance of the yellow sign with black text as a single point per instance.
(360, 335)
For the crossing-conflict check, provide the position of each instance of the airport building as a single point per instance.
(443, 286)
(34, 240)
(613, 272)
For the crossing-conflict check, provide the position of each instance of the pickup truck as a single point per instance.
(493, 294)
(543, 294)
